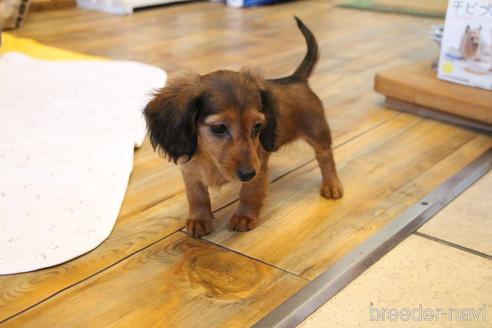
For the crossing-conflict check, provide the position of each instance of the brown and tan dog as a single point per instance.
(222, 127)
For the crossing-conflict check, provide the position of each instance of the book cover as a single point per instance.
(466, 49)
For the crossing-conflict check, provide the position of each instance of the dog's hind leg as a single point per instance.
(319, 137)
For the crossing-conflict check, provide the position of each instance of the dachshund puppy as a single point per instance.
(223, 126)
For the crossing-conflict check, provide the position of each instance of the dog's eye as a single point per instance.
(219, 129)
(256, 129)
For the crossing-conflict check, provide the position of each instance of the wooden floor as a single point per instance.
(151, 273)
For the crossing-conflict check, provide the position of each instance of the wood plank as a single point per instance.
(42, 5)
(384, 173)
(178, 282)
(417, 84)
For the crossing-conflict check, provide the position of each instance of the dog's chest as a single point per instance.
(213, 177)
(206, 172)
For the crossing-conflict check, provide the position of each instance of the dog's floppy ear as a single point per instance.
(172, 117)
(268, 136)
(467, 28)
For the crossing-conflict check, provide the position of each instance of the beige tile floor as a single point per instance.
(466, 219)
(439, 277)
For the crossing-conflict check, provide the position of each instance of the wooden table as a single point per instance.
(415, 88)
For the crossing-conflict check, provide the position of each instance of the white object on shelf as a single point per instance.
(235, 3)
(121, 7)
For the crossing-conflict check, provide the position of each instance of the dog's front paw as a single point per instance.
(242, 223)
(198, 228)
(332, 189)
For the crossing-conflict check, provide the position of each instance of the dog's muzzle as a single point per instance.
(245, 174)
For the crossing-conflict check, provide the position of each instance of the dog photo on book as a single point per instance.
(466, 50)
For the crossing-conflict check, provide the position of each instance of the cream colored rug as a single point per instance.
(67, 137)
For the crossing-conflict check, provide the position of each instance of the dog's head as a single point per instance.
(473, 35)
(225, 115)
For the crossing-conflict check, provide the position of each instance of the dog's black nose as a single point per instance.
(245, 174)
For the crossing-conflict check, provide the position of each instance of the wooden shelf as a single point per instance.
(43, 5)
(415, 88)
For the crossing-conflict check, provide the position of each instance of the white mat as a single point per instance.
(67, 136)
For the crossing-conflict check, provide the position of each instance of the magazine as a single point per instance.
(466, 49)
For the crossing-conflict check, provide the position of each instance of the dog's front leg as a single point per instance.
(201, 219)
(251, 199)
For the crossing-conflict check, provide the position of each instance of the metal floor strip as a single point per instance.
(298, 307)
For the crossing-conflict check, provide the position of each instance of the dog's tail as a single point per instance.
(307, 65)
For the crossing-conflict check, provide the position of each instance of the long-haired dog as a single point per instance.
(471, 45)
(223, 126)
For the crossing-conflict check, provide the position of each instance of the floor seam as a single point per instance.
(85, 279)
(249, 257)
(453, 245)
